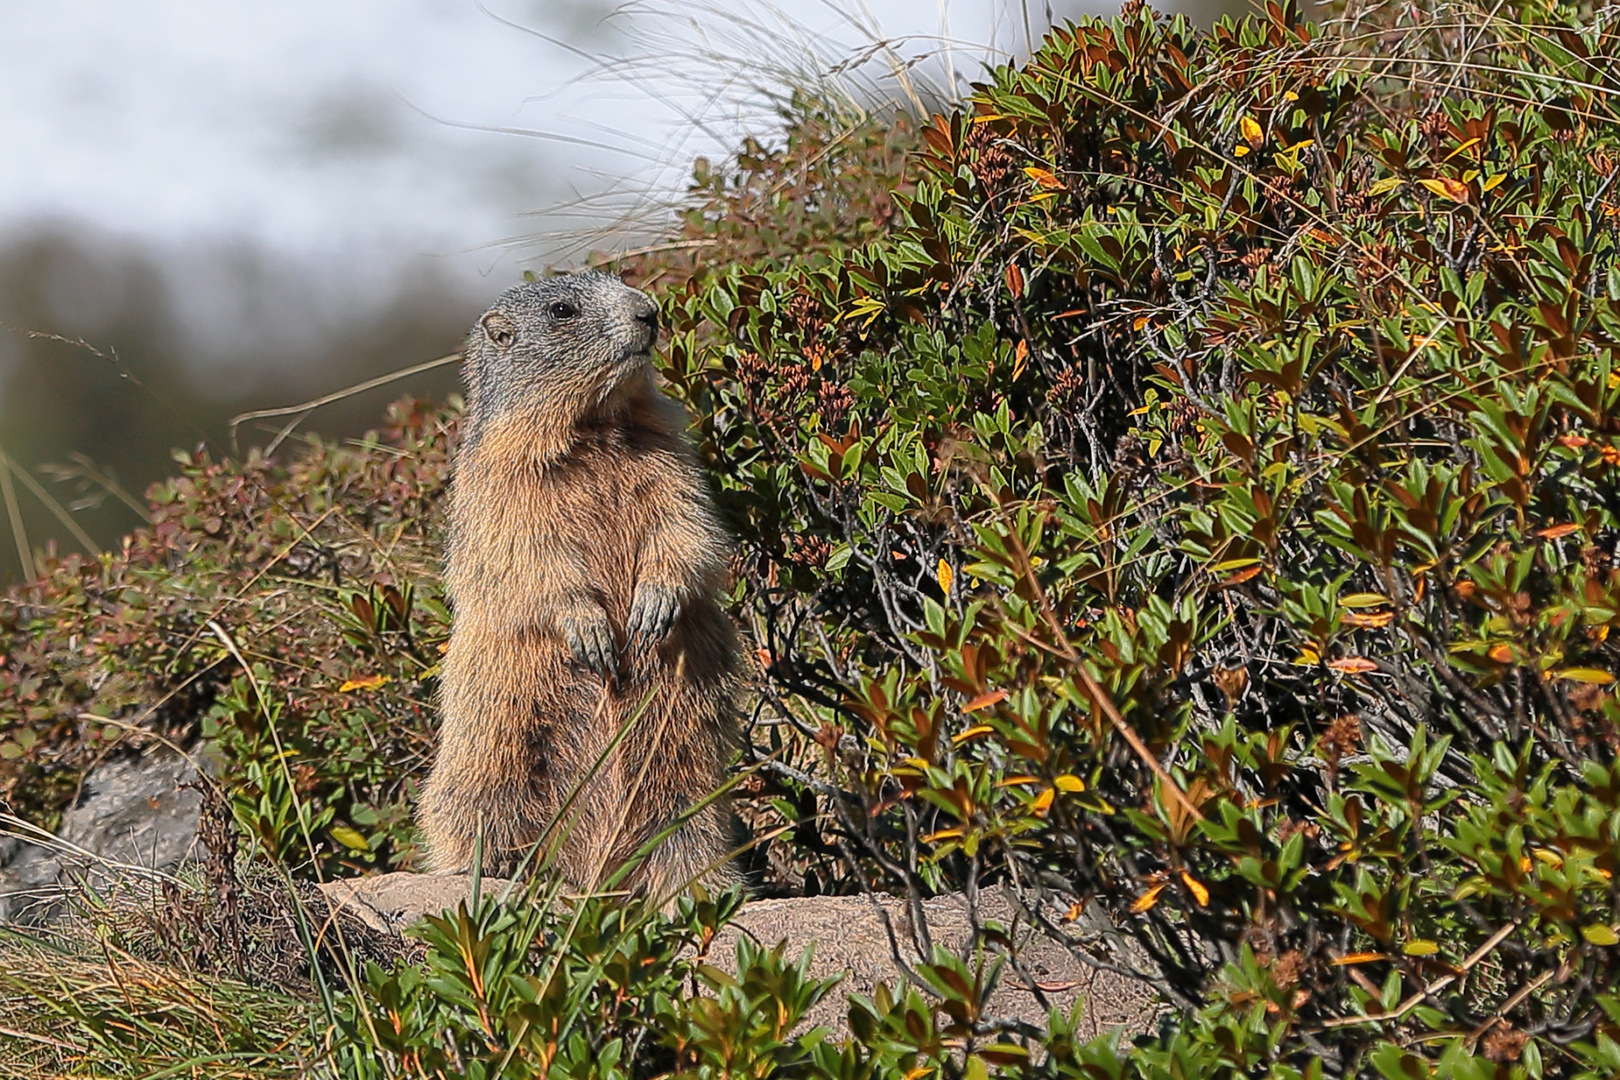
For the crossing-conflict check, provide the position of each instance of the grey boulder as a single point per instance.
(133, 818)
(851, 940)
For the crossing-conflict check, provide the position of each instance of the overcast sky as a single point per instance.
(371, 129)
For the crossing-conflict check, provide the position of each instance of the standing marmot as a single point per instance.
(584, 559)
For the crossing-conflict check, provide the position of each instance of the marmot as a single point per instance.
(583, 565)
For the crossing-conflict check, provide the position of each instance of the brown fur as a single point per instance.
(579, 501)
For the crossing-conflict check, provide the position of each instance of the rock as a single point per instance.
(393, 902)
(850, 941)
(132, 815)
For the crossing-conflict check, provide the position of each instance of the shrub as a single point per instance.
(319, 571)
(1200, 507)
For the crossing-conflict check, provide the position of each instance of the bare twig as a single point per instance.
(1428, 991)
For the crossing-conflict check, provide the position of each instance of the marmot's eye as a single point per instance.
(562, 309)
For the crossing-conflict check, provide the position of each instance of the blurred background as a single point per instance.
(212, 208)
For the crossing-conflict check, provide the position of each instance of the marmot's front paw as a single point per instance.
(652, 614)
(590, 638)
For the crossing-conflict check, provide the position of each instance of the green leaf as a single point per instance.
(1595, 676)
(349, 838)
(1599, 934)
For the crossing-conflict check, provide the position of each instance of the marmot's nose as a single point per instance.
(649, 319)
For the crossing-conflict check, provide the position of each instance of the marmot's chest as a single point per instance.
(596, 506)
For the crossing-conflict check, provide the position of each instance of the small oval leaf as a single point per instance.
(350, 838)
(1600, 934)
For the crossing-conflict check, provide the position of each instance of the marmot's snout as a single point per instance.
(625, 315)
(648, 318)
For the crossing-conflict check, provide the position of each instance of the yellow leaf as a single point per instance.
(1359, 958)
(349, 838)
(1244, 575)
(1353, 665)
(944, 576)
(1387, 184)
(1600, 935)
(364, 682)
(1069, 783)
(971, 733)
(984, 701)
(1363, 599)
(1015, 781)
(1461, 148)
(1420, 947)
(1196, 887)
(1147, 900)
(943, 834)
(1370, 622)
(1043, 802)
(1595, 676)
(1492, 182)
(1240, 151)
(1555, 532)
(1020, 356)
(1044, 177)
(1251, 130)
(1447, 188)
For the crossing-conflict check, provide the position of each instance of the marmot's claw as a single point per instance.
(591, 642)
(652, 615)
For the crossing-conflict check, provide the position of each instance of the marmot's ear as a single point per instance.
(499, 329)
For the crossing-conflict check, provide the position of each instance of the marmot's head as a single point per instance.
(557, 349)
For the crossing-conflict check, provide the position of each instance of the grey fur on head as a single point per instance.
(575, 337)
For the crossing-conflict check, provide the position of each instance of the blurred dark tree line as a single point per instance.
(104, 373)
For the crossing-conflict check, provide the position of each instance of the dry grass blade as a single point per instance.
(65, 1007)
(19, 532)
(57, 510)
(300, 412)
